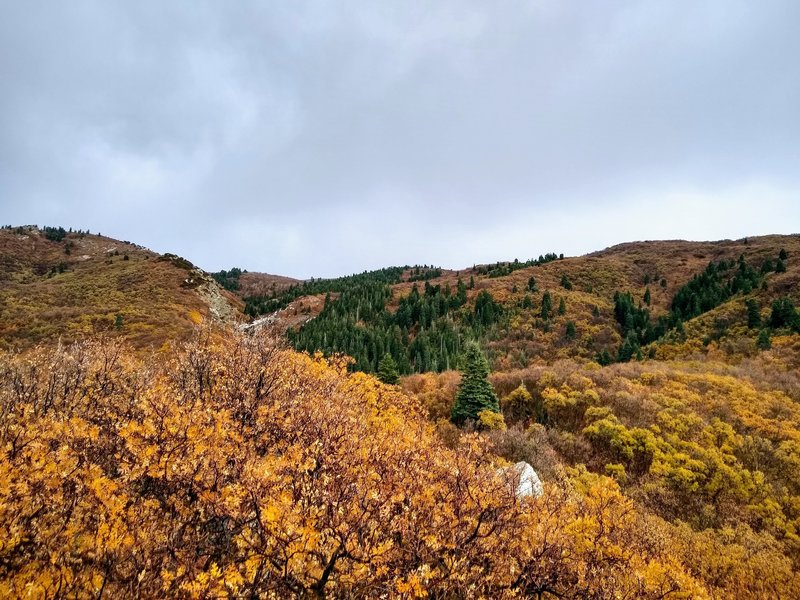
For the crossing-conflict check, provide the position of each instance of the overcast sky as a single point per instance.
(323, 138)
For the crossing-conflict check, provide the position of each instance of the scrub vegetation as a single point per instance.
(358, 444)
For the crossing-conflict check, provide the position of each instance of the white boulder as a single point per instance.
(524, 481)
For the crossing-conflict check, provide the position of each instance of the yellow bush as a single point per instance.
(490, 420)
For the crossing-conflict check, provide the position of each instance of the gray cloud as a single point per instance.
(311, 138)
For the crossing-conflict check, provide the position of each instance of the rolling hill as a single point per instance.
(62, 285)
(502, 305)
(654, 387)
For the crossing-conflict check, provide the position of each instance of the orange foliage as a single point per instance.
(240, 469)
(435, 391)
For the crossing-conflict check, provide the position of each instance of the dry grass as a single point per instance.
(152, 296)
(263, 284)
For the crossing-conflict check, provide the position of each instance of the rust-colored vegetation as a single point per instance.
(261, 284)
(233, 466)
(87, 284)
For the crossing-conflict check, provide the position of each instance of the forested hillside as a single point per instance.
(670, 367)
(623, 303)
(654, 387)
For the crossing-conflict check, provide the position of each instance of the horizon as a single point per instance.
(318, 140)
(246, 269)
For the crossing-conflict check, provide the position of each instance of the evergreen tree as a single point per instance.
(387, 370)
(55, 234)
(604, 358)
(753, 314)
(461, 295)
(570, 332)
(628, 348)
(547, 306)
(562, 307)
(783, 254)
(566, 283)
(784, 314)
(780, 266)
(487, 311)
(646, 297)
(763, 342)
(475, 394)
(680, 329)
(531, 284)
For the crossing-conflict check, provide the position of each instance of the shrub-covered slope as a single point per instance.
(653, 386)
(549, 308)
(57, 284)
(237, 469)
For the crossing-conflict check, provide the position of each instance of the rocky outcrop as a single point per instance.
(219, 307)
(524, 481)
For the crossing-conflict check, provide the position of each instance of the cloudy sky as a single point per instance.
(322, 138)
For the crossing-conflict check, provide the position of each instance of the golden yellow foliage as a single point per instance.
(490, 420)
(236, 468)
(712, 448)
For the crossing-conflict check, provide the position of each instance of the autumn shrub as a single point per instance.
(530, 445)
(489, 420)
(236, 468)
(435, 391)
(737, 562)
(449, 434)
(519, 406)
(565, 407)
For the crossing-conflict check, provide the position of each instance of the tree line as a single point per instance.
(501, 269)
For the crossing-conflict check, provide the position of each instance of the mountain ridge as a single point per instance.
(587, 285)
(64, 284)
(58, 275)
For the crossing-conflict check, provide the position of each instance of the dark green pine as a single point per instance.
(475, 393)
(387, 370)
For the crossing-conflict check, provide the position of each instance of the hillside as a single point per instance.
(502, 305)
(56, 284)
(261, 284)
(237, 469)
(667, 433)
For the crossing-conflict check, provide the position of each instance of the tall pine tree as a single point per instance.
(753, 313)
(387, 370)
(475, 393)
(547, 306)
